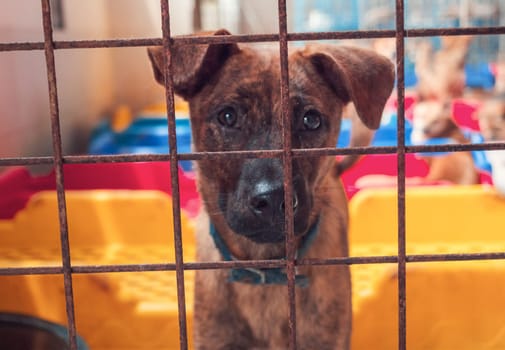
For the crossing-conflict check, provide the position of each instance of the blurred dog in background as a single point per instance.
(491, 118)
(441, 79)
(433, 120)
(441, 74)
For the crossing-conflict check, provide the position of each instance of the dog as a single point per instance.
(441, 75)
(234, 99)
(433, 120)
(491, 117)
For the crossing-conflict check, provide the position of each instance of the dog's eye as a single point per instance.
(312, 120)
(227, 117)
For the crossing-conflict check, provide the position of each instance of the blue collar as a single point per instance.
(264, 275)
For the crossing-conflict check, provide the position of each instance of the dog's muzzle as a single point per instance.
(257, 208)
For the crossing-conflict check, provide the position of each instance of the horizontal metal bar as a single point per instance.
(455, 257)
(116, 158)
(119, 158)
(353, 260)
(110, 43)
(308, 152)
(455, 31)
(318, 152)
(31, 270)
(25, 46)
(14, 161)
(249, 38)
(90, 44)
(186, 265)
(226, 39)
(341, 35)
(456, 147)
(81, 44)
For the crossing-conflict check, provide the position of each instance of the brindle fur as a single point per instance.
(243, 316)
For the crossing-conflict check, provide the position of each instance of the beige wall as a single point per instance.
(132, 75)
(24, 126)
(91, 82)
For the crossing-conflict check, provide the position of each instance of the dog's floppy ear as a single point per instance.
(192, 64)
(356, 75)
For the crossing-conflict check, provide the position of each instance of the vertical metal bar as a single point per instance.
(174, 175)
(402, 260)
(58, 163)
(287, 174)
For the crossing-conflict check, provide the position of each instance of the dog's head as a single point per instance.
(492, 119)
(234, 98)
(432, 119)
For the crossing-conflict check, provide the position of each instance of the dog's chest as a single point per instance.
(265, 308)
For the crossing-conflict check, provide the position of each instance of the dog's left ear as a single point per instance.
(192, 64)
(355, 75)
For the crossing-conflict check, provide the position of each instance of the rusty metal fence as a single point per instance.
(283, 37)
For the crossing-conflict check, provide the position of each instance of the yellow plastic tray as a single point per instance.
(450, 305)
(113, 310)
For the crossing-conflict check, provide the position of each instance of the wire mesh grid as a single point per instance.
(283, 37)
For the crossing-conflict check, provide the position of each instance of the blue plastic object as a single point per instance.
(144, 135)
(479, 75)
(31, 333)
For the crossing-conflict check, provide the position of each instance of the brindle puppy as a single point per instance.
(234, 97)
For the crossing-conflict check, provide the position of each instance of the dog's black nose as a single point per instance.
(267, 200)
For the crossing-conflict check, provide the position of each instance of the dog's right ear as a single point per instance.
(192, 64)
(356, 75)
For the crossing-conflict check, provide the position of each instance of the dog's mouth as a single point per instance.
(274, 234)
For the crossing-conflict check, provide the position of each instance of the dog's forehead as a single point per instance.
(247, 75)
(255, 72)
(253, 63)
